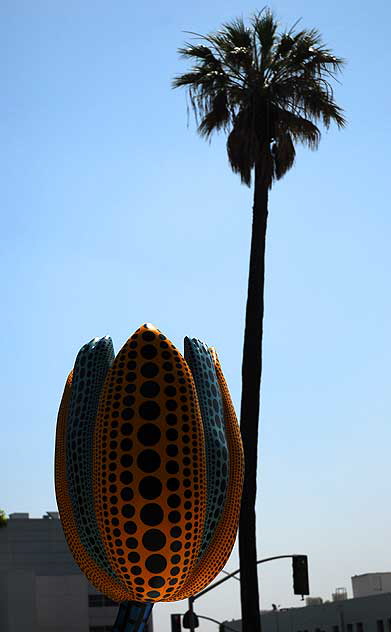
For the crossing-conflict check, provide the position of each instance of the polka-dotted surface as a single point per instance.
(96, 575)
(92, 363)
(199, 359)
(150, 484)
(149, 476)
(219, 549)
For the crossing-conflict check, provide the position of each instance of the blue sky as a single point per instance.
(115, 213)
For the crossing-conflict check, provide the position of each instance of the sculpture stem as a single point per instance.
(132, 616)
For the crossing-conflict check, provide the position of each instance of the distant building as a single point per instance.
(371, 584)
(41, 587)
(313, 601)
(370, 613)
(340, 594)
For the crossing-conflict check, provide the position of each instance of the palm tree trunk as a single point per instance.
(249, 413)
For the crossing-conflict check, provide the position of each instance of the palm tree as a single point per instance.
(268, 91)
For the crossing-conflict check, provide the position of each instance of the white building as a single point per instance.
(371, 584)
(41, 587)
(370, 613)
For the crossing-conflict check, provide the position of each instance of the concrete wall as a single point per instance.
(41, 587)
(21, 608)
(61, 603)
(37, 545)
(365, 614)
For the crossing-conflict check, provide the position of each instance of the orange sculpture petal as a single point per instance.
(150, 487)
(219, 550)
(98, 577)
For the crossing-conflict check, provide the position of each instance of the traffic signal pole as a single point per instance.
(191, 610)
(300, 583)
(221, 581)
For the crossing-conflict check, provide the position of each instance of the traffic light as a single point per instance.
(176, 623)
(300, 575)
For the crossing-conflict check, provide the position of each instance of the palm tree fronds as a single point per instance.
(265, 27)
(217, 117)
(242, 148)
(299, 128)
(199, 52)
(268, 90)
(237, 34)
(283, 152)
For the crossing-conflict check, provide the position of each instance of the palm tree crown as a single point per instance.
(267, 90)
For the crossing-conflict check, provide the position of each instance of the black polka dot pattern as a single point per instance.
(91, 366)
(149, 428)
(100, 578)
(220, 547)
(202, 367)
(142, 534)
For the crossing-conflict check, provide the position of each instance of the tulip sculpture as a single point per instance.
(148, 469)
